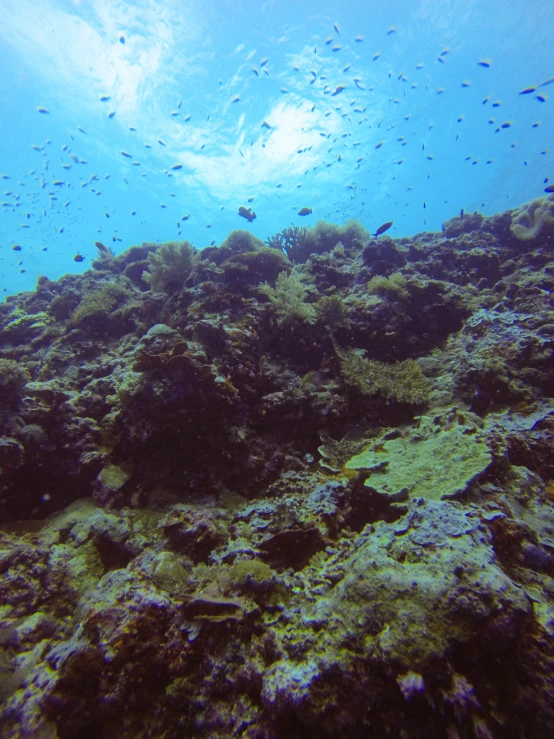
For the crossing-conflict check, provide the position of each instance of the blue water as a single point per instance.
(186, 58)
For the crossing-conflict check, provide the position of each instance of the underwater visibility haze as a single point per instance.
(125, 122)
(276, 369)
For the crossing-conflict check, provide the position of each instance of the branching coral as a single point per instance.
(331, 311)
(290, 240)
(169, 266)
(288, 298)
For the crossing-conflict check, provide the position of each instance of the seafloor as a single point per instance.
(252, 495)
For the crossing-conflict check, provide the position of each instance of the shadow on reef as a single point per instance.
(283, 489)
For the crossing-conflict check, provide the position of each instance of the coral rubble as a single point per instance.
(301, 488)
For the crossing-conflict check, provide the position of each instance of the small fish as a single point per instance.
(126, 154)
(376, 56)
(379, 145)
(528, 90)
(392, 29)
(58, 183)
(383, 228)
(111, 114)
(507, 124)
(185, 218)
(132, 128)
(265, 124)
(247, 213)
(42, 110)
(338, 90)
(305, 212)
(121, 39)
(359, 39)
(541, 97)
(16, 247)
(78, 257)
(336, 27)
(329, 40)
(550, 188)
(549, 81)
(484, 62)
(177, 166)
(133, 212)
(336, 47)
(466, 83)
(82, 130)
(104, 98)
(187, 117)
(254, 69)
(264, 61)
(160, 142)
(249, 200)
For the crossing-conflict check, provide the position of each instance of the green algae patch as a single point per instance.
(436, 460)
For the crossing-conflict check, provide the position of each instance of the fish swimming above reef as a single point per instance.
(383, 228)
(247, 213)
(305, 212)
(78, 257)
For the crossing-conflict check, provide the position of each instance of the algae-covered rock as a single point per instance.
(438, 459)
(414, 586)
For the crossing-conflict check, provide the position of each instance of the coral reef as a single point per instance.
(169, 265)
(294, 489)
(529, 221)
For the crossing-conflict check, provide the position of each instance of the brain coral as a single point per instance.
(529, 220)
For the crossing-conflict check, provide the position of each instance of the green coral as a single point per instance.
(241, 241)
(403, 382)
(529, 221)
(24, 326)
(289, 298)
(169, 265)
(325, 236)
(331, 311)
(436, 460)
(12, 377)
(393, 286)
(99, 303)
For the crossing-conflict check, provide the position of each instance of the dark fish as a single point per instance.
(121, 39)
(550, 188)
(105, 98)
(126, 154)
(78, 257)
(305, 212)
(16, 247)
(247, 213)
(383, 228)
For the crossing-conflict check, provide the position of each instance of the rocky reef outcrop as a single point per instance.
(302, 488)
